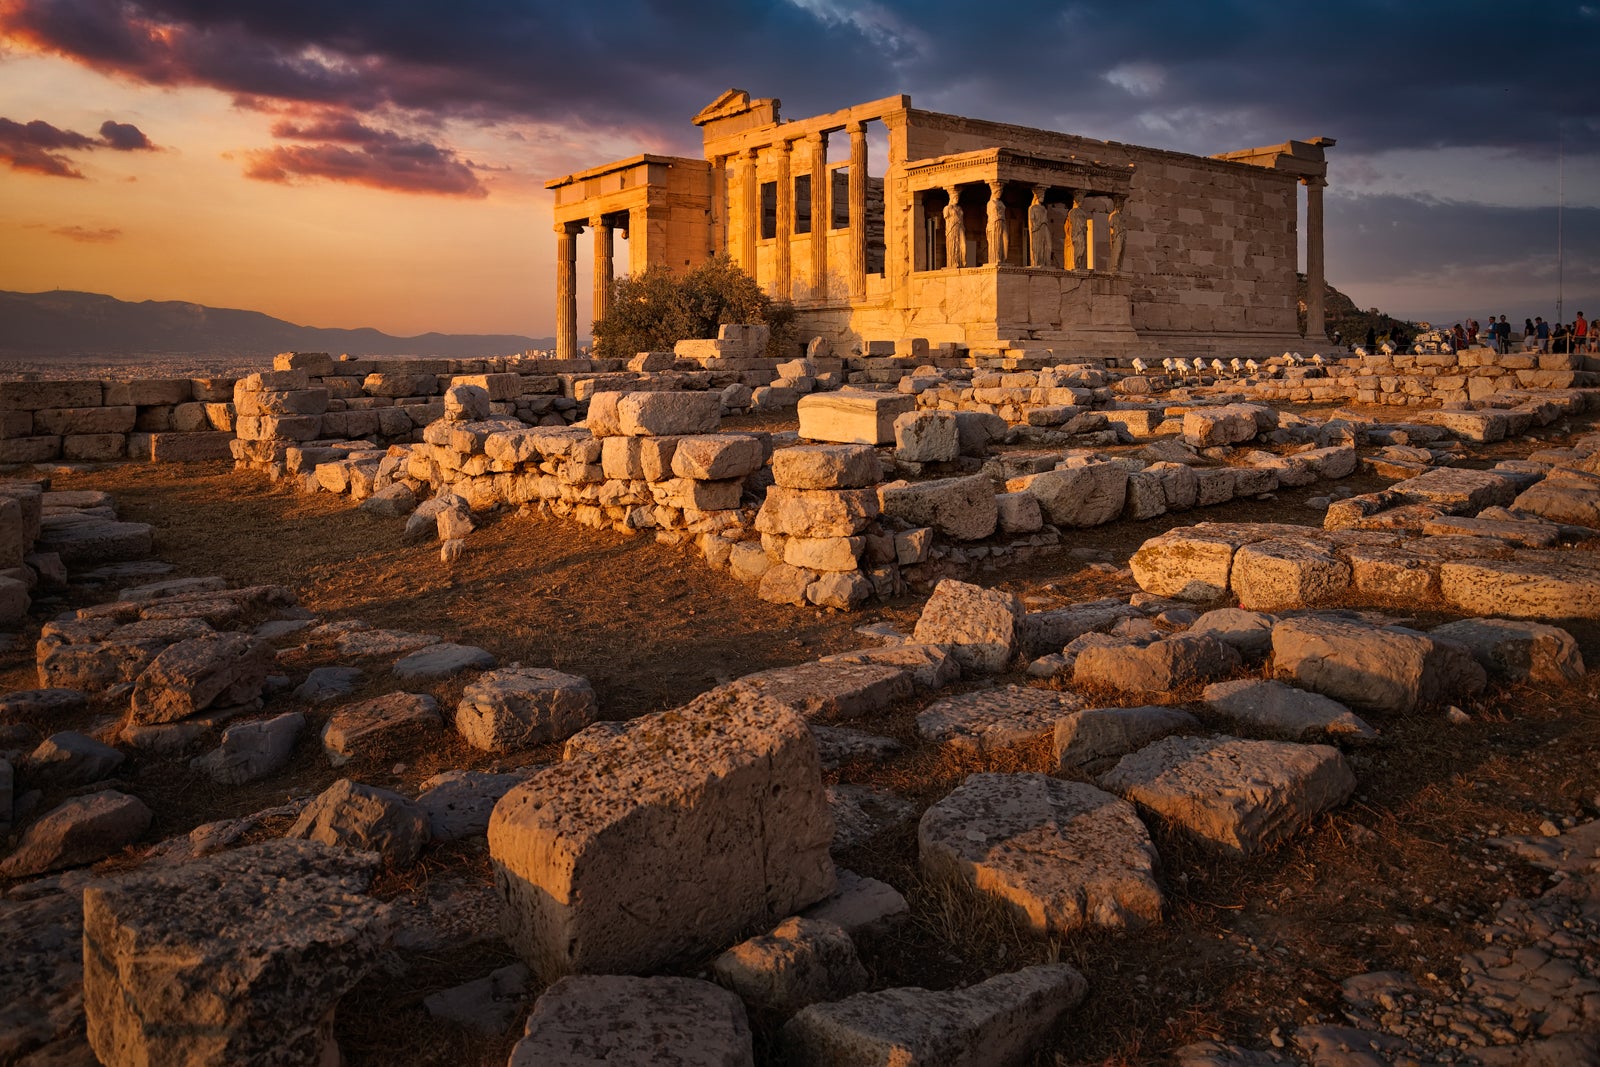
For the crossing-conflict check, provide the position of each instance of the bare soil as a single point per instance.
(1394, 880)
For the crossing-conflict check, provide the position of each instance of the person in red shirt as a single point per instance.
(1580, 333)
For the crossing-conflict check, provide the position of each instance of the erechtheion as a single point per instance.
(970, 232)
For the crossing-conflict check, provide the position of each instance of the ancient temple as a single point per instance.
(980, 233)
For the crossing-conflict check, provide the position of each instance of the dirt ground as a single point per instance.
(1394, 880)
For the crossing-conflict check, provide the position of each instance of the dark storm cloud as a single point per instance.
(40, 147)
(1374, 74)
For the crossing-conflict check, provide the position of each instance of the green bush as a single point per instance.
(651, 312)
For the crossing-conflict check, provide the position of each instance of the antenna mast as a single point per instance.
(1561, 203)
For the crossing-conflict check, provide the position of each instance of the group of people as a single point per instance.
(1537, 335)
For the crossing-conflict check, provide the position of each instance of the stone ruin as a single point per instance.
(669, 883)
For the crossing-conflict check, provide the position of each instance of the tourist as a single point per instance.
(1529, 342)
(1560, 339)
(1458, 338)
(1541, 330)
(1472, 330)
(1580, 333)
(1372, 339)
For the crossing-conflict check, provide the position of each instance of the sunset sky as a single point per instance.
(382, 163)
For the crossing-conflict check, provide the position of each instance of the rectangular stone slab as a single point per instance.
(688, 830)
(852, 418)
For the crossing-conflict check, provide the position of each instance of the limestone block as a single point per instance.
(400, 383)
(1330, 463)
(852, 418)
(1230, 424)
(833, 690)
(783, 583)
(691, 494)
(94, 448)
(82, 830)
(1253, 481)
(674, 838)
(1248, 631)
(367, 727)
(926, 437)
(14, 603)
(860, 905)
(190, 676)
(930, 666)
(1078, 496)
(800, 962)
(1570, 497)
(1277, 575)
(441, 660)
(978, 430)
(517, 706)
(824, 553)
(458, 803)
(252, 750)
(199, 447)
(1233, 795)
(716, 456)
(1146, 496)
(38, 396)
(30, 449)
(982, 626)
(817, 512)
(69, 758)
(501, 387)
(962, 508)
(841, 590)
(1018, 513)
(1458, 489)
(1060, 855)
(618, 1021)
(1520, 651)
(1214, 485)
(1186, 563)
(466, 403)
(84, 420)
(999, 1022)
(986, 720)
(364, 818)
(1048, 631)
(239, 958)
(1478, 426)
(1554, 586)
(1284, 710)
(666, 414)
(1093, 734)
(1388, 668)
(826, 467)
(1154, 667)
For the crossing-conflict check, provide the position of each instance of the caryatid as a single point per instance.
(1038, 230)
(955, 233)
(1077, 232)
(997, 225)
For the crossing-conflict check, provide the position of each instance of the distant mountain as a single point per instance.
(91, 324)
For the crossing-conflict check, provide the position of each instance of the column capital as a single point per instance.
(856, 128)
(1314, 181)
(819, 137)
(749, 154)
(598, 222)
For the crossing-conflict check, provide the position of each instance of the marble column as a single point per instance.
(858, 210)
(604, 268)
(719, 204)
(567, 289)
(1316, 327)
(750, 226)
(781, 283)
(821, 216)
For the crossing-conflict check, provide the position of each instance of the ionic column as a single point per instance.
(567, 289)
(785, 227)
(604, 269)
(1315, 326)
(719, 204)
(858, 210)
(750, 228)
(821, 216)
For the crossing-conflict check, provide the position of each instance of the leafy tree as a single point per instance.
(655, 310)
